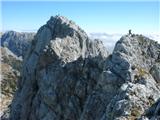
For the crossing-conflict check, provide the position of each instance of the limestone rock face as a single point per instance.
(155, 72)
(17, 42)
(135, 60)
(60, 73)
(68, 76)
(153, 113)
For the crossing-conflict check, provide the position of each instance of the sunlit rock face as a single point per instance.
(135, 59)
(68, 76)
(61, 70)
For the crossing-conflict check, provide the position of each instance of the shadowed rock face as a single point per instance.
(60, 71)
(67, 76)
(17, 42)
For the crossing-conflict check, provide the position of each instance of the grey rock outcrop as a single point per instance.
(155, 72)
(60, 73)
(17, 42)
(135, 60)
(68, 76)
(153, 113)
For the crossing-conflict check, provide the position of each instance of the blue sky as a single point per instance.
(110, 17)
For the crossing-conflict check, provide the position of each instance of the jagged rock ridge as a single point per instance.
(135, 58)
(67, 76)
(17, 42)
(64, 46)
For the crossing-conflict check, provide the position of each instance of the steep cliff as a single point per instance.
(68, 76)
(135, 60)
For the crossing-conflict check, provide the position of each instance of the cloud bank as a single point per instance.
(110, 40)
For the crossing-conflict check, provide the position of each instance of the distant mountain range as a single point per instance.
(17, 42)
(14, 40)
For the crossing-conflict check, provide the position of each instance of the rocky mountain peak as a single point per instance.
(135, 60)
(139, 51)
(61, 58)
(57, 20)
(68, 76)
(65, 37)
(62, 27)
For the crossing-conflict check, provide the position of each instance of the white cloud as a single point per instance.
(109, 40)
(155, 37)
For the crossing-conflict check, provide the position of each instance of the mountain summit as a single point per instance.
(61, 59)
(68, 76)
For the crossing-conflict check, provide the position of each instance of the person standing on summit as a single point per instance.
(130, 32)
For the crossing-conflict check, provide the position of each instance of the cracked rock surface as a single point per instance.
(68, 76)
